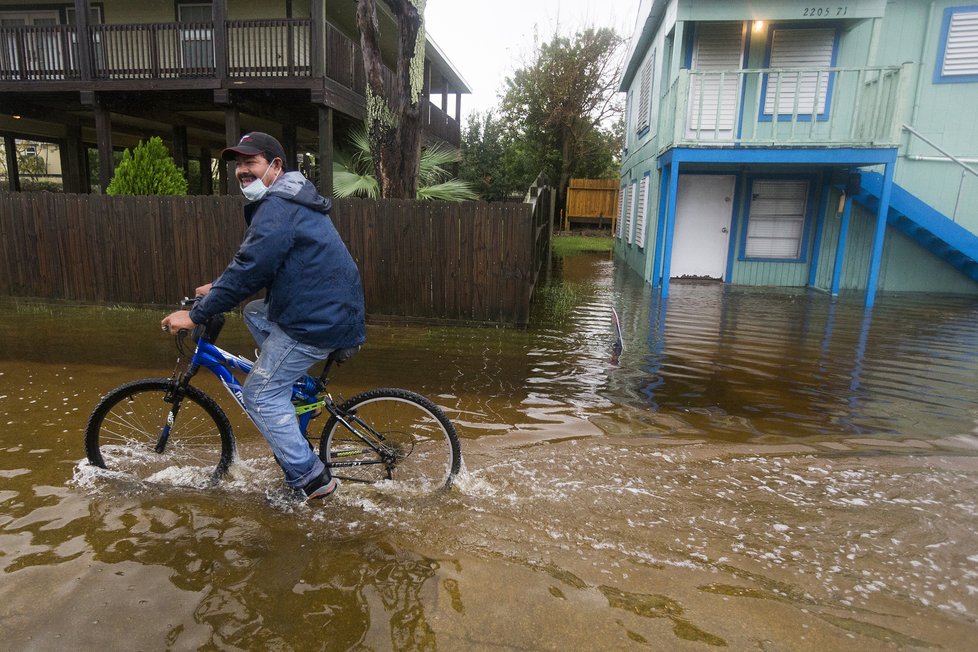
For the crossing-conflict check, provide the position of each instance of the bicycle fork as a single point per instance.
(175, 396)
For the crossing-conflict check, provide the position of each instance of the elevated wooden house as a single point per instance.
(105, 74)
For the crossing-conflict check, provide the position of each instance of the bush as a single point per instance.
(29, 185)
(148, 170)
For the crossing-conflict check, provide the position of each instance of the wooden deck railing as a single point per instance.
(269, 48)
(38, 53)
(255, 49)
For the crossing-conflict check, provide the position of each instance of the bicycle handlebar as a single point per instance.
(209, 330)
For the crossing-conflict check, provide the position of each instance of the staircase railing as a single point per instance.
(965, 168)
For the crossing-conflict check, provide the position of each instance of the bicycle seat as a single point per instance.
(339, 356)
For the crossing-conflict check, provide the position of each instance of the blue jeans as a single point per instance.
(268, 392)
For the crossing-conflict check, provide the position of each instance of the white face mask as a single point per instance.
(257, 188)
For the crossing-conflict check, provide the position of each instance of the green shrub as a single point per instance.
(148, 170)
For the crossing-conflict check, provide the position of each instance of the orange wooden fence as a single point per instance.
(591, 201)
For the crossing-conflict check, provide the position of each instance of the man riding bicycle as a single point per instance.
(312, 307)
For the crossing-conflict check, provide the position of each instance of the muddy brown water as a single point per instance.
(758, 470)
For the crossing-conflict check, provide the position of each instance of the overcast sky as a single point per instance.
(487, 40)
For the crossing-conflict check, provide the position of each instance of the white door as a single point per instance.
(704, 207)
(715, 81)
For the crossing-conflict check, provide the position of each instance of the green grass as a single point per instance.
(575, 244)
(554, 302)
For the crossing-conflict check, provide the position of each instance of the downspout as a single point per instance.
(819, 230)
(925, 46)
(840, 248)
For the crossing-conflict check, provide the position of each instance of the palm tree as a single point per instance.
(353, 174)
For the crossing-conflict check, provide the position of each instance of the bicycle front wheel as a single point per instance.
(392, 434)
(137, 431)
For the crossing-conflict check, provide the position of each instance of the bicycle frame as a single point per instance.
(221, 363)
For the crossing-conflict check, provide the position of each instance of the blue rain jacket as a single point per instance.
(292, 249)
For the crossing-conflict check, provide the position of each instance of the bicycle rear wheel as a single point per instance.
(124, 432)
(396, 435)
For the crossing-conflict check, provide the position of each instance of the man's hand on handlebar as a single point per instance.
(203, 290)
(176, 322)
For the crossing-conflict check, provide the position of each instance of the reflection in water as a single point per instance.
(758, 469)
(751, 364)
(254, 581)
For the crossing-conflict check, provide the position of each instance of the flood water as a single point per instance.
(758, 470)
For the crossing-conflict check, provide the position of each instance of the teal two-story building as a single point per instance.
(794, 144)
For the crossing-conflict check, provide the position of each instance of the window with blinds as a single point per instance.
(958, 58)
(776, 222)
(804, 55)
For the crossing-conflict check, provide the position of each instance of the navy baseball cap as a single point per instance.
(254, 143)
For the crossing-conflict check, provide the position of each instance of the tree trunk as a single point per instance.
(394, 119)
(566, 162)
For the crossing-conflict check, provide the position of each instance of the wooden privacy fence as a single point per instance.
(591, 201)
(468, 261)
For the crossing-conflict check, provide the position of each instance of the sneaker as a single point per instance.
(321, 487)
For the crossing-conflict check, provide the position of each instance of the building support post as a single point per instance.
(83, 43)
(206, 182)
(317, 39)
(103, 137)
(180, 156)
(880, 235)
(660, 225)
(232, 132)
(670, 227)
(13, 175)
(325, 151)
(823, 212)
(219, 14)
(840, 247)
(74, 163)
(289, 144)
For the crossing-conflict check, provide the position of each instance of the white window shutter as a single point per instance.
(621, 211)
(645, 94)
(799, 48)
(961, 51)
(643, 210)
(630, 219)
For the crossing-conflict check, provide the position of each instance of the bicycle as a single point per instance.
(145, 426)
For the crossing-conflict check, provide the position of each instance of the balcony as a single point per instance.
(267, 53)
(824, 107)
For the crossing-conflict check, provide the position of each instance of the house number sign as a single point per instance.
(836, 11)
